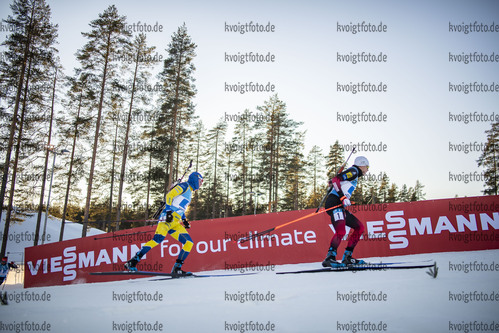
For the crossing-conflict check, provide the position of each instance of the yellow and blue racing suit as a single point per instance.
(177, 201)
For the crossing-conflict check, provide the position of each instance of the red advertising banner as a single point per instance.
(445, 225)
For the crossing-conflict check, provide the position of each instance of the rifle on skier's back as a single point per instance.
(163, 203)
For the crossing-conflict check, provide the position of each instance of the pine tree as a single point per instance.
(383, 188)
(29, 55)
(141, 54)
(197, 147)
(361, 195)
(335, 159)
(277, 139)
(106, 37)
(13, 75)
(392, 195)
(404, 195)
(109, 176)
(417, 193)
(316, 184)
(488, 159)
(147, 156)
(177, 94)
(228, 155)
(73, 125)
(294, 171)
(371, 195)
(216, 141)
(255, 178)
(242, 151)
(49, 149)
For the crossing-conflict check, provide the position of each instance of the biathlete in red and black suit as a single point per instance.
(342, 187)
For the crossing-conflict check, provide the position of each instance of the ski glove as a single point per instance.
(169, 216)
(346, 202)
(186, 223)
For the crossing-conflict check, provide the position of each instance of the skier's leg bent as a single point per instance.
(338, 222)
(180, 233)
(159, 236)
(358, 228)
(339, 227)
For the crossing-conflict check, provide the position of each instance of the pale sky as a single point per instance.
(307, 74)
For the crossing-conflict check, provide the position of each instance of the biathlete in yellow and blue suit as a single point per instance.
(172, 221)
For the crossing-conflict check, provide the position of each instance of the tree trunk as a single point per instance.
(215, 179)
(96, 140)
(110, 208)
(148, 188)
(45, 167)
(16, 159)
(13, 131)
(75, 135)
(228, 188)
(174, 126)
(125, 148)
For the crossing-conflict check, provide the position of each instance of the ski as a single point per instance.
(3, 298)
(168, 275)
(364, 267)
(205, 276)
(140, 273)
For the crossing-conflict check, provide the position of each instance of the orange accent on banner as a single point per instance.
(306, 216)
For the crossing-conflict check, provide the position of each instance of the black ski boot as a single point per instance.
(177, 269)
(330, 260)
(131, 264)
(3, 298)
(349, 260)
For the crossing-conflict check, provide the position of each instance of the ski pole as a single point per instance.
(110, 221)
(123, 235)
(337, 173)
(268, 231)
(179, 180)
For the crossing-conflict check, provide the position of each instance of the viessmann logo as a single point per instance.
(70, 260)
(394, 226)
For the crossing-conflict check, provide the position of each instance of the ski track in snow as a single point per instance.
(406, 300)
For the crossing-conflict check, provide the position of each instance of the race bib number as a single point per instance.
(338, 215)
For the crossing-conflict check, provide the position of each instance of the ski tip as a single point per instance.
(433, 271)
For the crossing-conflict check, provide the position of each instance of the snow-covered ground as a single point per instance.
(22, 235)
(22, 232)
(463, 298)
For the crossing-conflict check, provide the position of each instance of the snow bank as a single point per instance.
(22, 232)
(464, 296)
